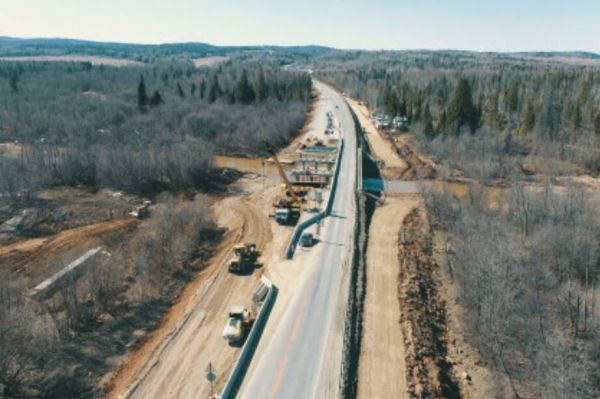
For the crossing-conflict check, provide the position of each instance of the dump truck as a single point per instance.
(239, 322)
(287, 216)
(245, 258)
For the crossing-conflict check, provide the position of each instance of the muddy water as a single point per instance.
(249, 165)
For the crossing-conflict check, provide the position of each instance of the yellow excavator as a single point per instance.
(289, 203)
(245, 258)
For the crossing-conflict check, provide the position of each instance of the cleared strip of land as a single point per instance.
(382, 372)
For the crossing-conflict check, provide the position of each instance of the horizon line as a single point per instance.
(149, 44)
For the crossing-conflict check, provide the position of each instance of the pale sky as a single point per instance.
(495, 25)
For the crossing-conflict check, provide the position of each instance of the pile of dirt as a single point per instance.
(417, 166)
(423, 315)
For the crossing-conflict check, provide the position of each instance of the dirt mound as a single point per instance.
(417, 166)
(423, 315)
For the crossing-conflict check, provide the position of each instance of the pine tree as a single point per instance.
(597, 123)
(512, 98)
(156, 99)
(142, 95)
(391, 102)
(528, 122)
(428, 129)
(243, 92)
(262, 91)
(461, 111)
(202, 88)
(576, 116)
(14, 74)
(215, 90)
(492, 116)
(548, 119)
(180, 91)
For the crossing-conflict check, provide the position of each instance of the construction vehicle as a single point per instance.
(289, 203)
(239, 322)
(141, 211)
(245, 258)
(307, 240)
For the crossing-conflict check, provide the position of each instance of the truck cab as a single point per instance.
(282, 216)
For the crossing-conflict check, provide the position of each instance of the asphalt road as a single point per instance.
(291, 364)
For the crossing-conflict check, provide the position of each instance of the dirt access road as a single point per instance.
(172, 361)
(36, 259)
(394, 165)
(385, 350)
(382, 372)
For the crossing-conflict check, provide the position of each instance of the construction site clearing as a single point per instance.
(194, 329)
(68, 232)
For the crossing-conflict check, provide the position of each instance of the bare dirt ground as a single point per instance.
(36, 259)
(209, 61)
(11, 149)
(172, 360)
(382, 371)
(95, 60)
(423, 314)
(62, 208)
(394, 164)
(419, 166)
(401, 157)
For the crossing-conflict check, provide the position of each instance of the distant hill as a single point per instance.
(560, 54)
(14, 47)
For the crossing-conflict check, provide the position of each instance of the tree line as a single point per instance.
(139, 127)
(525, 261)
(450, 93)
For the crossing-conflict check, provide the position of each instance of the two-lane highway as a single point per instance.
(291, 364)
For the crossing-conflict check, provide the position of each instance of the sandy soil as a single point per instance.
(36, 259)
(209, 61)
(95, 60)
(11, 149)
(382, 372)
(394, 165)
(171, 362)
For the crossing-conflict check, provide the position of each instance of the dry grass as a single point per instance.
(209, 61)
